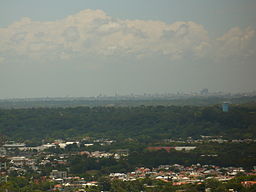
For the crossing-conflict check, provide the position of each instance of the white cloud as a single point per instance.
(237, 43)
(92, 32)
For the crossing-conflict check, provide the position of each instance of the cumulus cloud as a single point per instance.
(93, 32)
(239, 43)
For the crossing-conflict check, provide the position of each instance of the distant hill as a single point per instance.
(125, 101)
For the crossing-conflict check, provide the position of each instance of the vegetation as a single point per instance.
(25, 184)
(144, 123)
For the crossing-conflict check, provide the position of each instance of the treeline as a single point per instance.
(179, 100)
(142, 123)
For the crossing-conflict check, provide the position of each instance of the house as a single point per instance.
(58, 174)
(248, 183)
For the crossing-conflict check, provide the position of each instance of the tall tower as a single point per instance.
(225, 106)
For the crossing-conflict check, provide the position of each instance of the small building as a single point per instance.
(13, 145)
(248, 183)
(225, 107)
(185, 148)
(2, 151)
(58, 174)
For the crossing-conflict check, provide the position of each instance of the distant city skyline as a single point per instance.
(86, 48)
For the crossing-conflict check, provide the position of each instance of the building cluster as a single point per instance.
(179, 174)
(168, 149)
(65, 183)
(19, 159)
(208, 139)
(19, 156)
(57, 143)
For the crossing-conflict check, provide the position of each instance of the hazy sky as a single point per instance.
(58, 48)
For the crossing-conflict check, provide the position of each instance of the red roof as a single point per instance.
(57, 186)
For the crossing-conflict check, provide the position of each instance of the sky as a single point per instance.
(83, 48)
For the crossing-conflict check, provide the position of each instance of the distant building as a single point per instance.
(14, 145)
(21, 161)
(204, 91)
(185, 148)
(248, 183)
(58, 174)
(225, 107)
(2, 151)
(168, 149)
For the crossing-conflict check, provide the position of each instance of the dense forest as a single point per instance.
(141, 123)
